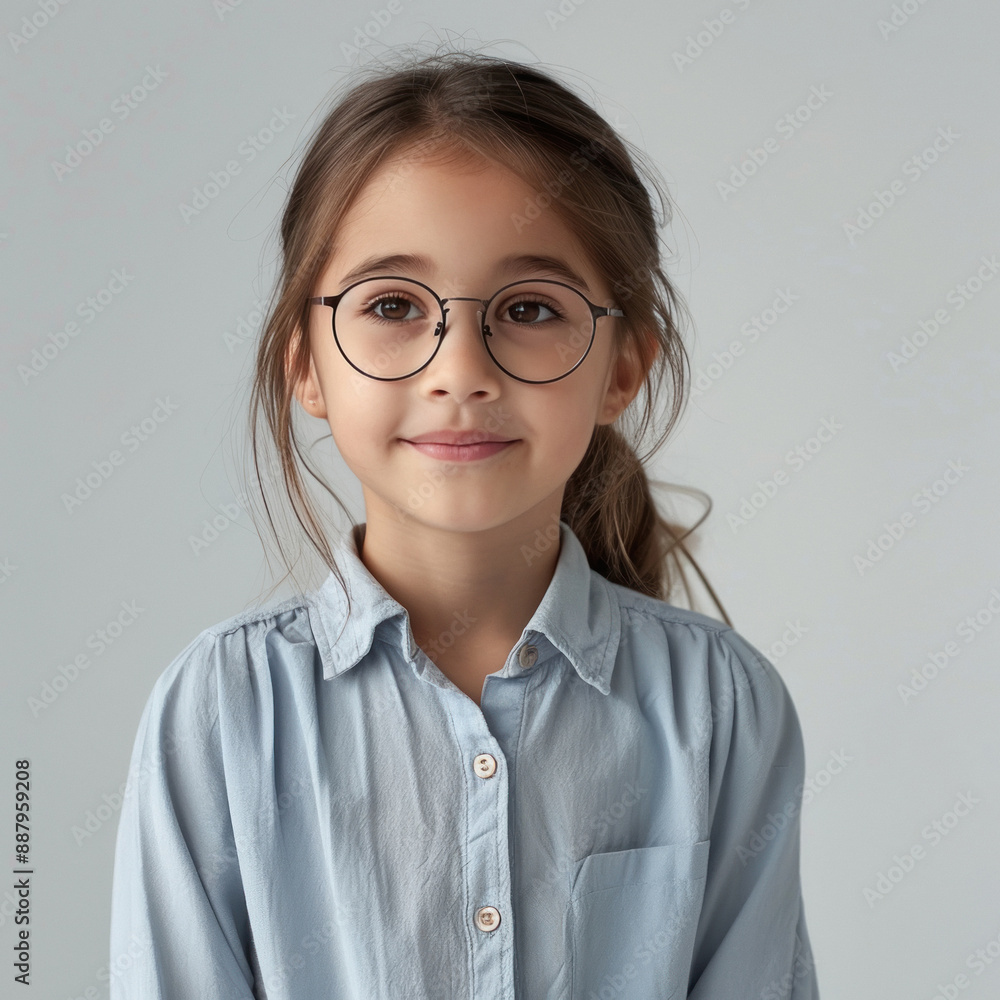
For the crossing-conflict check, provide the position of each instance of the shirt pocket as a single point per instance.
(632, 919)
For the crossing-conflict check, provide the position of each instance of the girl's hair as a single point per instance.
(460, 104)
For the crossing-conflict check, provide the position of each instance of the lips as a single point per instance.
(457, 438)
(459, 452)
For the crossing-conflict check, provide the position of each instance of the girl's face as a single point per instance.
(463, 218)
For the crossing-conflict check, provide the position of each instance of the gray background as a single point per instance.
(66, 574)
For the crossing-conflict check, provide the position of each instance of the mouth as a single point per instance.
(459, 452)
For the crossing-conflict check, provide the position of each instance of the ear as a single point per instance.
(625, 378)
(305, 388)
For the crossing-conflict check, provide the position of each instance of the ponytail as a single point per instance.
(609, 506)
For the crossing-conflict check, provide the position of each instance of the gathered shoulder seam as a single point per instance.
(257, 615)
(666, 613)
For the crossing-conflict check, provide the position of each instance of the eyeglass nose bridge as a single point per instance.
(484, 303)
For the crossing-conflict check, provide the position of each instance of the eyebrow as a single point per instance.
(512, 265)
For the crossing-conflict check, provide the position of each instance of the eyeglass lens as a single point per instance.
(537, 330)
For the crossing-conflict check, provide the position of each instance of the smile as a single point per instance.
(459, 452)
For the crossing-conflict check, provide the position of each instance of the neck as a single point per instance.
(475, 589)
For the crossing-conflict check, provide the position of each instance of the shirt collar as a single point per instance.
(579, 613)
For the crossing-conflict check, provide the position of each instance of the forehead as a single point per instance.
(465, 214)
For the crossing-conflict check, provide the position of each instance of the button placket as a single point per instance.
(487, 918)
(487, 736)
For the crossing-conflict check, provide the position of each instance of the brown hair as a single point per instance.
(525, 119)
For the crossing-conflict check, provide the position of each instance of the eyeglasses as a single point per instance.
(390, 328)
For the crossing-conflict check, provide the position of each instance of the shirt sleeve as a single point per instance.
(179, 925)
(752, 939)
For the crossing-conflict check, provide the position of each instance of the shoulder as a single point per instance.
(691, 651)
(639, 607)
(709, 682)
(231, 656)
(651, 621)
(277, 614)
(210, 712)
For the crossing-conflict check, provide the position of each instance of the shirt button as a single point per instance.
(487, 918)
(485, 765)
(527, 655)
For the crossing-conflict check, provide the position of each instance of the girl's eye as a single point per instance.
(526, 312)
(395, 308)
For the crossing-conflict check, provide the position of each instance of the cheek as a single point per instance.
(566, 423)
(363, 420)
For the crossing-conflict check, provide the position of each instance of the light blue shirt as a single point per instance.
(314, 810)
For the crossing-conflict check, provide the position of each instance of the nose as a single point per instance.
(478, 313)
(465, 326)
(461, 365)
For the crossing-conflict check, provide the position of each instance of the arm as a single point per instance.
(752, 942)
(179, 925)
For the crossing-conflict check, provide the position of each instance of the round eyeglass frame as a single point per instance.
(596, 313)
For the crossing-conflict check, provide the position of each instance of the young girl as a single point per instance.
(485, 758)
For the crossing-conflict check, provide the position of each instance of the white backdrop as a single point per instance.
(834, 170)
